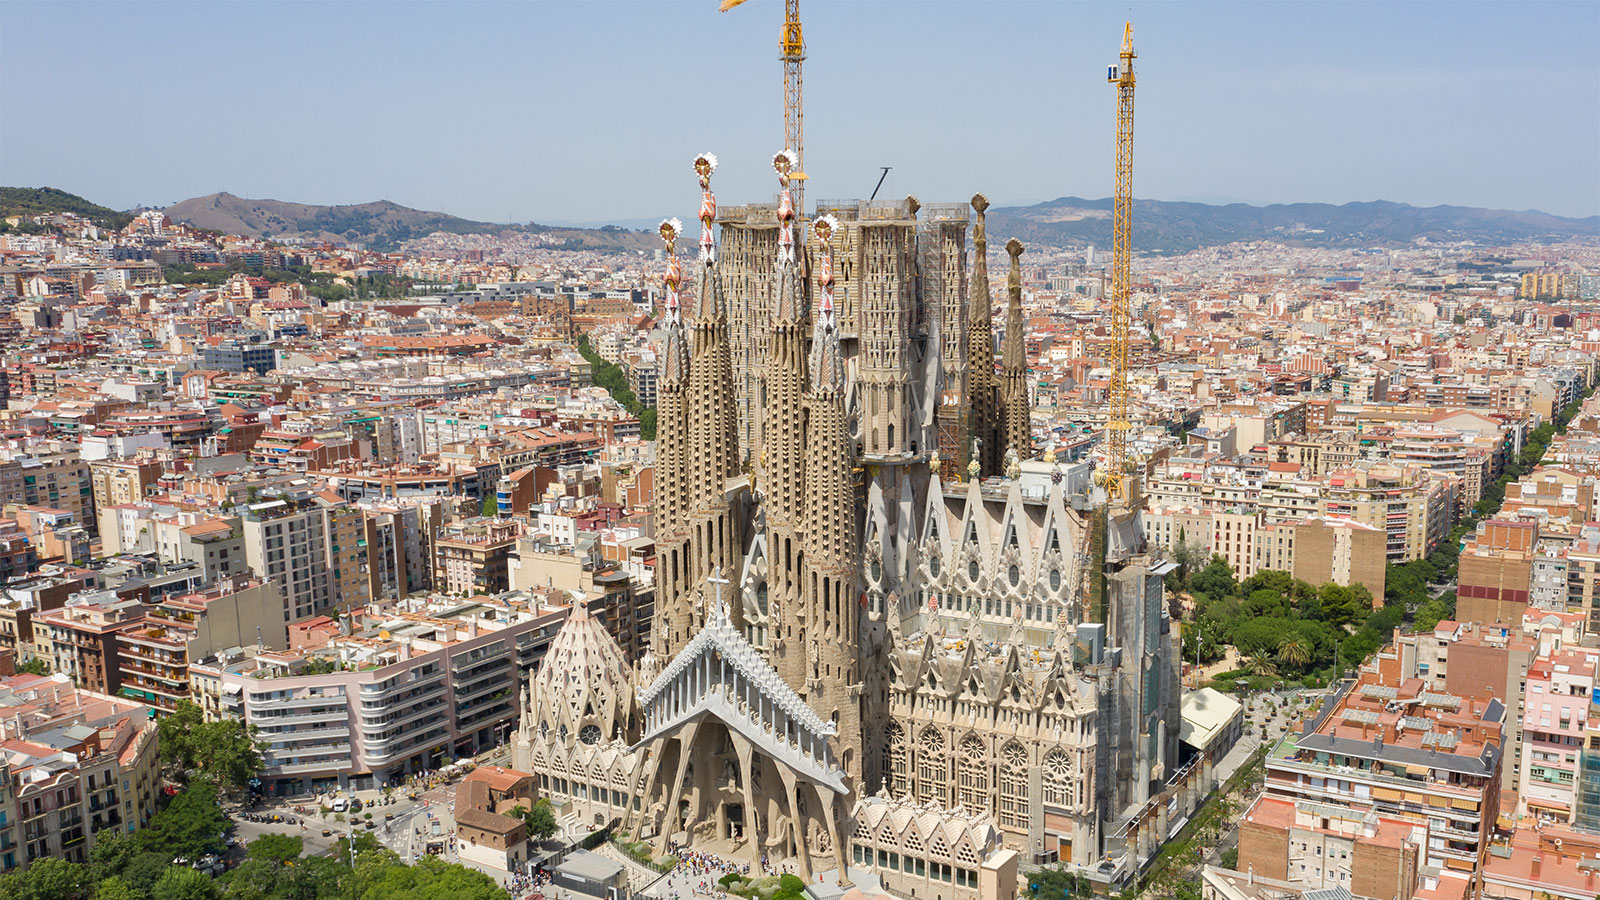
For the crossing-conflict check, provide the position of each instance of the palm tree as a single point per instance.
(1261, 666)
(1292, 652)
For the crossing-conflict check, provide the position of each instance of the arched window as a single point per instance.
(972, 791)
(896, 762)
(1057, 778)
(931, 767)
(1014, 786)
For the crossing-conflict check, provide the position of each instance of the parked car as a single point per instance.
(341, 805)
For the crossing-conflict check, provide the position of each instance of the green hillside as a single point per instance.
(36, 201)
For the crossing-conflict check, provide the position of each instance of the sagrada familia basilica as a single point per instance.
(888, 638)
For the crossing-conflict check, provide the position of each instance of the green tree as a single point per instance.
(276, 848)
(229, 752)
(35, 666)
(541, 819)
(1230, 858)
(490, 505)
(145, 869)
(1293, 653)
(175, 733)
(1056, 883)
(192, 824)
(1261, 667)
(225, 751)
(115, 888)
(113, 850)
(429, 879)
(47, 878)
(184, 883)
(1216, 579)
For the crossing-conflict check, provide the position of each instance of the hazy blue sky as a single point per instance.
(588, 111)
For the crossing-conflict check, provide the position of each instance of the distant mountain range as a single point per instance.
(1161, 226)
(381, 225)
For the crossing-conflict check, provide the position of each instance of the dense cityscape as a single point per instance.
(841, 549)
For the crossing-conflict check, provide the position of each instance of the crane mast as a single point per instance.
(792, 50)
(1117, 419)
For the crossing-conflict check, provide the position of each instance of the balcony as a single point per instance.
(467, 690)
(255, 705)
(301, 768)
(436, 709)
(163, 690)
(302, 734)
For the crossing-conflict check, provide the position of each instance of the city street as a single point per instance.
(393, 833)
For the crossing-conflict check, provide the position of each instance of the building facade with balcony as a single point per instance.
(407, 692)
(1390, 779)
(78, 764)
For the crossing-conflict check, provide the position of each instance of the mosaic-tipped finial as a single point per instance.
(669, 229)
(704, 165)
(783, 163)
(824, 227)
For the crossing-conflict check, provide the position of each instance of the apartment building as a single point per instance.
(347, 551)
(79, 640)
(472, 556)
(285, 540)
(1495, 571)
(1414, 511)
(1343, 551)
(399, 539)
(1560, 690)
(402, 693)
(58, 480)
(1466, 658)
(154, 653)
(1389, 779)
(1315, 549)
(116, 481)
(78, 763)
(1553, 862)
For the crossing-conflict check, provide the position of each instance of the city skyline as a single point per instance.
(552, 111)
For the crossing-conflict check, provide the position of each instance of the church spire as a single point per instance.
(983, 431)
(783, 452)
(673, 603)
(1014, 360)
(832, 552)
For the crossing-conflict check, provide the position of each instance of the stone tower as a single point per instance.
(672, 619)
(885, 320)
(749, 246)
(944, 288)
(983, 423)
(783, 462)
(832, 555)
(709, 453)
(1016, 413)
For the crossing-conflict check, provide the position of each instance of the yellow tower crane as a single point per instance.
(1118, 423)
(792, 52)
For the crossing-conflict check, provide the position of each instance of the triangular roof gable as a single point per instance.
(721, 638)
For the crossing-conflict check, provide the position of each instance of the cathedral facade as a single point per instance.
(887, 637)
